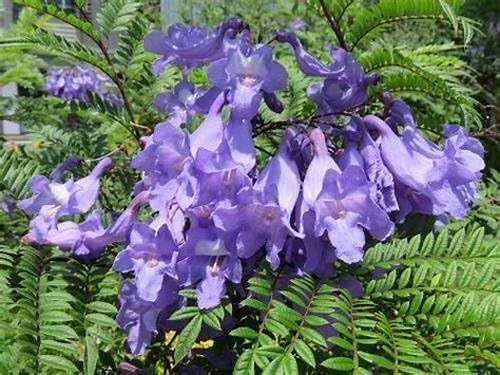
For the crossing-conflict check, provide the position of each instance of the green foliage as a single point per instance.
(15, 173)
(386, 12)
(59, 314)
(438, 299)
(53, 10)
(430, 303)
(115, 16)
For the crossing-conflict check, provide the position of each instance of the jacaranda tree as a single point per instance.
(211, 202)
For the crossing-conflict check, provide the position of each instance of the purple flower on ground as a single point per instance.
(246, 72)
(151, 256)
(192, 46)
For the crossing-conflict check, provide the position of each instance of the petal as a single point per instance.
(123, 262)
(149, 279)
(240, 142)
(276, 78)
(155, 42)
(210, 291)
(347, 238)
(217, 74)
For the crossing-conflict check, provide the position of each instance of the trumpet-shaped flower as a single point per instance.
(151, 256)
(440, 181)
(246, 72)
(342, 203)
(191, 46)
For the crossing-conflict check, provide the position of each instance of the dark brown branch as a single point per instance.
(334, 25)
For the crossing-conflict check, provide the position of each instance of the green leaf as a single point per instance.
(312, 335)
(211, 320)
(187, 338)
(65, 16)
(254, 304)
(304, 352)
(59, 332)
(91, 355)
(116, 15)
(377, 359)
(59, 363)
(185, 313)
(339, 363)
(102, 307)
(244, 332)
(101, 319)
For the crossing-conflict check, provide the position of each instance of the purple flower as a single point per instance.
(184, 102)
(246, 72)
(58, 172)
(297, 24)
(191, 46)
(262, 215)
(345, 85)
(85, 240)
(441, 181)
(151, 256)
(342, 204)
(362, 151)
(76, 82)
(397, 112)
(53, 199)
(207, 259)
(88, 240)
(138, 317)
(7, 204)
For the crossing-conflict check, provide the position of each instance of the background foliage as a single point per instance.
(430, 301)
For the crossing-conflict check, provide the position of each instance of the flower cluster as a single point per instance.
(214, 215)
(76, 82)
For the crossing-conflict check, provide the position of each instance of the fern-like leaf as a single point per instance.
(387, 12)
(115, 16)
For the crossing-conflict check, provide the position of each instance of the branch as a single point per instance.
(334, 25)
(115, 77)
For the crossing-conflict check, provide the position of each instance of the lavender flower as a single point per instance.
(441, 181)
(184, 102)
(345, 86)
(246, 72)
(53, 199)
(151, 256)
(138, 317)
(76, 82)
(191, 46)
(215, 215)
(342, 204)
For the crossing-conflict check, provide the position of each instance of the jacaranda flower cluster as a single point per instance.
(215, 216)
(76, 82)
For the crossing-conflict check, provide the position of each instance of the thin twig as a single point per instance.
(115, 77)
(334, 25)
